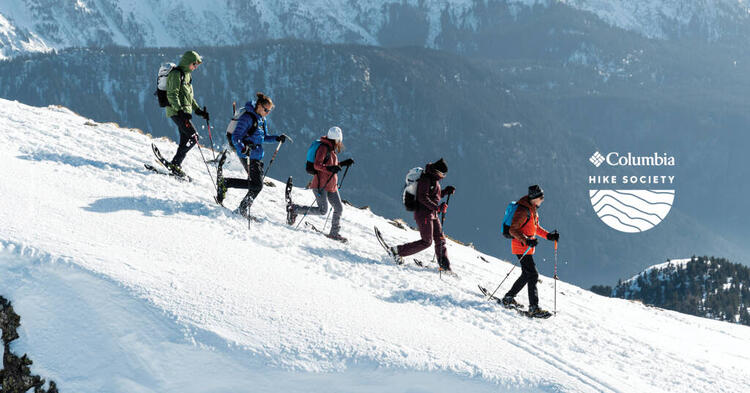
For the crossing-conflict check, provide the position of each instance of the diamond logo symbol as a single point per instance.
(597, 159)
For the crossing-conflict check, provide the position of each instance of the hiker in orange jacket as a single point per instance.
(524, 229)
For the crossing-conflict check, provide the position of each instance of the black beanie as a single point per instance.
(440, 166)
(535, 191)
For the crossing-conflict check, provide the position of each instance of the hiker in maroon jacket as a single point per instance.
(428, 206)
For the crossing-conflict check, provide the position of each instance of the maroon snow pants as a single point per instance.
(430, 229)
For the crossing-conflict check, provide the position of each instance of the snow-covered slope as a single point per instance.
(37, 25)
(128, 281)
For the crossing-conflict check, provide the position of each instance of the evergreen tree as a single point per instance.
(705, 286)
(15, 376)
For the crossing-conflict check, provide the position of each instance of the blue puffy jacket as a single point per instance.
(245, 133)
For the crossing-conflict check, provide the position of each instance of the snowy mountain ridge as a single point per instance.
(129, 281)
(704, 286)
(42, 25)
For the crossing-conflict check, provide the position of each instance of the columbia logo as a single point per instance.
(597, 159)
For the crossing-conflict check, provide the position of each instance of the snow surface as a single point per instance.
(128, 281)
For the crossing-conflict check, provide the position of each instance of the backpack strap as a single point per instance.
(182, 74)
(255, 119)
(528, 215)
(328, 153)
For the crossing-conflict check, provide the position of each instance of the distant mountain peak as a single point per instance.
(46, 24)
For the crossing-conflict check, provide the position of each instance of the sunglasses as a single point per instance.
(266, 109)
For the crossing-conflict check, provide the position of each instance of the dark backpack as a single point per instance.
(311, 152)
(508, 218)
(161, 82)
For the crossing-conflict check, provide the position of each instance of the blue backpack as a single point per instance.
(311, 152)
(508, 218)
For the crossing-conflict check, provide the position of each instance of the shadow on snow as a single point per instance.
(148, 206)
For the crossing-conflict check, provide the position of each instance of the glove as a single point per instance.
(347, 162)
(281, 138)
(195, 137)
(443, 208)
(554, 236)
(202, 113)
(184, 115)
(248, 148)
(333, 168)
(531, 242)
(449, 190)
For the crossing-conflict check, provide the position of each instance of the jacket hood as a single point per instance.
(526, 202)
(188, 58)
(329, 142)
(430, 170)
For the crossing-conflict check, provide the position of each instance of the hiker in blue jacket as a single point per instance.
(247, 140)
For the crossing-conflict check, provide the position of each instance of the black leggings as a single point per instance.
(529, 276)
(187, 138)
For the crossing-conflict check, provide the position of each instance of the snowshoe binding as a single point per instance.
(536, 312)
(337, 237)
(510, 302)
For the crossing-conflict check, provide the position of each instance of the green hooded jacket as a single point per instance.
(180, 93)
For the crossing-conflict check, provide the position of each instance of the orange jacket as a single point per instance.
(525, 225)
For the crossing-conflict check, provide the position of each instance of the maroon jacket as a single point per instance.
(429, 192)
(321, 178)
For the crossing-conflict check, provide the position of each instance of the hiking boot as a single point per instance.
(394, 253)
(221, 184)
(536, 312)
(244, 208)
(444, 264)
(176, 170)
(338, 237)
(510, 302)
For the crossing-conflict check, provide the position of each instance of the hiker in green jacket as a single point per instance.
(182, 105)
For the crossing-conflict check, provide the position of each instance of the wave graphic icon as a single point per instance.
(632, 210)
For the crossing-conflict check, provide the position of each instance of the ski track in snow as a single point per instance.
(291, 303)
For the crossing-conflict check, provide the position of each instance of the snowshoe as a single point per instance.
(536, 312)
(507, 302)
(337, 237)
(448, 272)
(165, 173)
(221, 184)
(244, 208)
(392, 251)
(176, 170)
(510, 302)
(291, 215)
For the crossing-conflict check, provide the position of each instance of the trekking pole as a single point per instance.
(555, 276)
(343, 177)
(308, 208)
(204, 161)
(271, 162)
(442, 215)
(339, 187)
(442, 221)
(209, 135)
(506, 276)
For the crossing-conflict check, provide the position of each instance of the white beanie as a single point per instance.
(335, 134)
